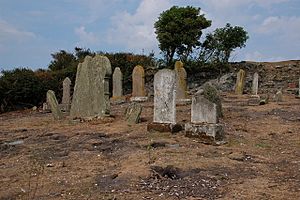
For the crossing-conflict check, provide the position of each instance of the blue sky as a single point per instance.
(33, 29)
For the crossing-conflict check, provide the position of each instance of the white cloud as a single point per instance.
(9, 32)
(136, 31)
(86, 38)
(286, 28)
(260, 57)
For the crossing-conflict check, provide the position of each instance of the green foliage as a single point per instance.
(62, 60)
(178, 31)
(19, 88)
(219, 45)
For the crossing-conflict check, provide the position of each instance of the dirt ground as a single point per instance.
(108, 159)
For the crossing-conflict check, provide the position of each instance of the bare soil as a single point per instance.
(108, 159)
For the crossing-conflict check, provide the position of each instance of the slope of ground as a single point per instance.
(108, 159)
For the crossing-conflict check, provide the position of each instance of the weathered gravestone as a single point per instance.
(204, 120)
(164, 118)
(210, 92)
(91, 91)
(299, 89)
(255, 84)
(51, 99)
(66, 99)
(117, 86)
(133, 113)
(240, 82)
(278, 96)
(138, 84)
(181, 85)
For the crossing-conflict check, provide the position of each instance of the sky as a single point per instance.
(33, 29)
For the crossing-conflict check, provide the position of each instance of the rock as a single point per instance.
(51, 99)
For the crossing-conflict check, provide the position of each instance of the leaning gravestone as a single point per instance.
(181, 86)
(204, 120)
(133, 113)
(255, 84)
(138, 84)
(91, 91)
(51, 99)
(164, 118)
(66, 99)
(240, 82)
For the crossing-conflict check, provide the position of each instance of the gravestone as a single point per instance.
(117, 83)
(117, 87)
(203, 110)
(240, 82)
(164, 118)
(211, 93)
(138, 84)
(91, 90)
(66, 99)
(51, 99)
(278, 96)
(133, 113)
(204, 121)
(299, 89)
(181, 85)
(255, 84)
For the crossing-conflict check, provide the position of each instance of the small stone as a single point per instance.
(133, 113)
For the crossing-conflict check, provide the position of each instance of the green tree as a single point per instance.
(218, 46)
(178, 31)
(62, 60)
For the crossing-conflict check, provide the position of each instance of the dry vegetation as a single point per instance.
(108, 159)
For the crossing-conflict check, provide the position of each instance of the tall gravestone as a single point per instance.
(255, 84)
(66, 98)
(91, 90)
(138, 84)
(299, 89)
(240, 82)
(51, 99)
(204, 120)
(164, 117)
(181, 85)
(117, 83)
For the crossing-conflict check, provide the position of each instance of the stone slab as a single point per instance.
(205, 132)
(164, 127)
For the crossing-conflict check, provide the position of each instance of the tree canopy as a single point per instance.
(178, 31)
(218, 46)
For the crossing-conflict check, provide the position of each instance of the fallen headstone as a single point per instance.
(133, 113)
